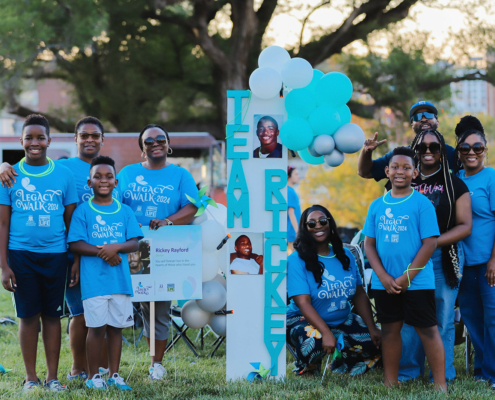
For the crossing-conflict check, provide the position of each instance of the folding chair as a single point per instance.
(181, 330)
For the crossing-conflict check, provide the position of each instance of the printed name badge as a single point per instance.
(168, 264)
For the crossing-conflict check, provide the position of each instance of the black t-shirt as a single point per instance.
(434, 188)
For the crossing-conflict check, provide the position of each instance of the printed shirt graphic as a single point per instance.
(249, 266)
(398, 227)
(80, 169)
(478, 246)
(98, 278)
(155, 193)
(38, 206)
(434, 188)
(293, 201)
(338, 286)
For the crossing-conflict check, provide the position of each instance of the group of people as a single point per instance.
(430, 240)
(83, 202)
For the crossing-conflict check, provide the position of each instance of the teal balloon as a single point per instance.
(305, 156)
(324, 120)
(296, 133)
(334, 90)
(300, 103)
(317, 74)
(345, 114)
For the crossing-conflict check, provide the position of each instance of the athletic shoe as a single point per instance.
(82, 376)
(103, 371)
(96, 383)
(30, 385)
(55, 386)
(117, 381)
(157, 372)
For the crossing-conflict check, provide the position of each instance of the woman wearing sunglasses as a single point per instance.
(477, 291)
(450, 197)
(157, 192)
(322, 279)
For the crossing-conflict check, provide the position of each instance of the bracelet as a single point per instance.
(411, 269)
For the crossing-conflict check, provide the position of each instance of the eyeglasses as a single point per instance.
(312, 223)
(86, 136)
(465, 148)
(161, 140)
(433, 147)
(426, 114)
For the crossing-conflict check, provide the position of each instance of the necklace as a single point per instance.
(407, 198)
(319, 255)
(51, 167)
(427, 176)
(119, 206)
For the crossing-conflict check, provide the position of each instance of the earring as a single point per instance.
(170, 151)
(143, 155)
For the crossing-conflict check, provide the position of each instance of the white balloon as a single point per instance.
(324, 144)
(335, 158)
(199, 220)
(214, 297)
(311, 149)
(221, 279)
(212, 233)
(265, 83)
(218, 324)
(297, 73)
(273, 57)
(218, 214)
(349, 138)
(210, 265)
(193, 316)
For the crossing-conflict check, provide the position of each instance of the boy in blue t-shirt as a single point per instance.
(34, 216)
(102, 230)
(401, 235)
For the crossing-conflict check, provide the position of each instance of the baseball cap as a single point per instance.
(422, 104)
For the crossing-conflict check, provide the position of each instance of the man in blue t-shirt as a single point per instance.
(423, 115)
(102, 230)
(34, 216)
(401, 234)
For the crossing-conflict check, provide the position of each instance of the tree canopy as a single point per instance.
(132, 62)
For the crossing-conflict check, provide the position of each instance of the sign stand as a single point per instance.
(152, 328)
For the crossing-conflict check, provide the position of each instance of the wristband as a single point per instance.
(411, 269)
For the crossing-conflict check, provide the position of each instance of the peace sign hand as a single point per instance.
(372, 144)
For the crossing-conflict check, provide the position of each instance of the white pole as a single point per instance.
(152, 328)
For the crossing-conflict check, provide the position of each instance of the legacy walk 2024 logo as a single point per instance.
(143, 192)
(102, 230)
(331, 288)
(142, 290)
(393, 225)
(28, 198)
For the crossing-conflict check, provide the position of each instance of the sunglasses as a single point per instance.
(426, 114)
(312, 223)
(465, 148)
(161, 140)
(86, 136)
(433, 147)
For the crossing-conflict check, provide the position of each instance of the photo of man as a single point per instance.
(139, 261)
(244, 261)
(267, 131)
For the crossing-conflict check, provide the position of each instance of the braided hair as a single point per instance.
(307, 248)
(450, 256)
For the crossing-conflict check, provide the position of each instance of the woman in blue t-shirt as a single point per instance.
(294, 209)
(477, 290)
(157, 191)
(322, 279)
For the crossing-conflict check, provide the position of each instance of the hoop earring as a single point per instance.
(170, 151)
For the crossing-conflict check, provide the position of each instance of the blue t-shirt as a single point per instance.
(479, 245)
(330, 300)
(38, 205)
(293, 201)
(98, 278)
(378, 167)
(399, 225)
(155, 193)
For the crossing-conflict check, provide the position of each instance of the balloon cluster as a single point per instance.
(198, 313)
(319, 127)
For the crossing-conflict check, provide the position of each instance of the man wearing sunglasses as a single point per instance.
(423, 115)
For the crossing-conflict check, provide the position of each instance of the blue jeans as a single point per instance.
(477, 303)
(412, 361)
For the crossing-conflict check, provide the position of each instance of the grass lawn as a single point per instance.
(205, 377)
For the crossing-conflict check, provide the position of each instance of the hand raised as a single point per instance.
(373, 143)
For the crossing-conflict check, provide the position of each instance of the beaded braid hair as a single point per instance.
(306, 246)
(450, 256)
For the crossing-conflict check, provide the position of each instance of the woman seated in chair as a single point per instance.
(322, 279)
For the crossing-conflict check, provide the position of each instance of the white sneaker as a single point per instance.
(96, 383)
(103, 371)
(157, 372)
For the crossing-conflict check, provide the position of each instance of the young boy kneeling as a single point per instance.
(101, 230)
(401, 235)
